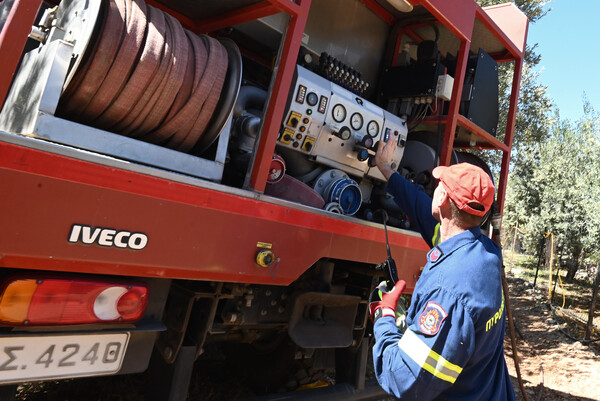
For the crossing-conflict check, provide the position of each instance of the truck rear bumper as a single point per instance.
(68, 351)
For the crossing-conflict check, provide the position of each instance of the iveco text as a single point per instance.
(107, 237)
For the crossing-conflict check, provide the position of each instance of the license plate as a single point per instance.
(54, 357)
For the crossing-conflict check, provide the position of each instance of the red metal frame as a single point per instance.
(185, 21)
(452, 118)
(517, 50)
(276, 106)
(239, 16)
(460, 20)
(458, 16)
(514, 40)
(510, 128)
(380, 11)
(491, 142)
(249, 13)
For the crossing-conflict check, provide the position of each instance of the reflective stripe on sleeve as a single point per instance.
(428, 359)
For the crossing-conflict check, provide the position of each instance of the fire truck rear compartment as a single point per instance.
(171, 99)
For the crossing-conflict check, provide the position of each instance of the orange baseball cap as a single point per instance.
(467, 184)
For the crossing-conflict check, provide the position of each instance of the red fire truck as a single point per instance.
(185, 179)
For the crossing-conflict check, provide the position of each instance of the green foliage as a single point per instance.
(553, 185)
(558, 189)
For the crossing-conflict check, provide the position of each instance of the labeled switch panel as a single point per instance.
(306, 112)
(294, 119)
(287, 136)
(308, 143)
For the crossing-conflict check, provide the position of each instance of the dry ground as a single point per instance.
(554, 367)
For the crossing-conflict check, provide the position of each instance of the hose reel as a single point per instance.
(144, 76)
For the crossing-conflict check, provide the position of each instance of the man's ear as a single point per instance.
(444, 197)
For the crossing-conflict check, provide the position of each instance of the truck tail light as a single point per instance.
(56, 301)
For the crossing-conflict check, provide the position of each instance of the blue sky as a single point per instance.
(567, 40)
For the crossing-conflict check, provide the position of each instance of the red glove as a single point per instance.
(383, 302)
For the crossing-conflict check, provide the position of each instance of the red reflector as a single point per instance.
(131, 303)
(49, 301)
(64, 301)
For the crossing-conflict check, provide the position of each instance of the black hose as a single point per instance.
(513, 340)
(249, 97)
(509, 316)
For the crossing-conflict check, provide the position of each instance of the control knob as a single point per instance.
(366, 142)
(362, 148)
(344, 133)
(362, 154)
(372, 162)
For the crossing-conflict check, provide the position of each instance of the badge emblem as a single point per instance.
(435, 254)
(431, 319)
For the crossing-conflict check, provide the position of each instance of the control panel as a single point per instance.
(337, 128)
(306, 112)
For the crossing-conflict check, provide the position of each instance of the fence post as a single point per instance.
(540, 253)
(555, 281)
(590, 323)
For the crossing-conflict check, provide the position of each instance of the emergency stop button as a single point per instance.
(265, 258)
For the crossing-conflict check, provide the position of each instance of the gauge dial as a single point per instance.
(373, 128)
(356, 121)
(339, 113)
(312, 99)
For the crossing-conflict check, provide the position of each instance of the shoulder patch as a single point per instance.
(431, 319)
(435, 254)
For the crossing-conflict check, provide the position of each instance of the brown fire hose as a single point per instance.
(147, 77)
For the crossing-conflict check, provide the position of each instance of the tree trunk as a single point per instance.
(590, 323)
(574, 266)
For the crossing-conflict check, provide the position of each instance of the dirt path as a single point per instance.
(569, 369)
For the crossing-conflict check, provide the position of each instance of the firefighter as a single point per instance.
(450, 346)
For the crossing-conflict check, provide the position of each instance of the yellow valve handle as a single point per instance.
(264, 258)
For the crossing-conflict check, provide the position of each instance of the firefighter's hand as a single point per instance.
(383, 302)
(383, 157)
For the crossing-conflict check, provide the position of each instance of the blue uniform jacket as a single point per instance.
(452, 348)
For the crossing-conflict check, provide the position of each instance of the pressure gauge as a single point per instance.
(373, 128)
(356, 121)
(312, 99)
(339, 113)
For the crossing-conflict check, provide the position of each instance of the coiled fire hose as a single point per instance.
(147, 77)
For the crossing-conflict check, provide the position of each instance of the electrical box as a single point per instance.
(444, 86)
